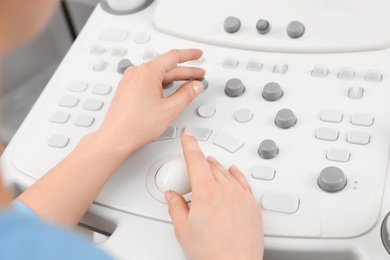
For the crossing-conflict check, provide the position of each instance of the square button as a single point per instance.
(358, 137)
(93, 104)
(362, 119)
(59, 117)
(68, 101)
(101, 89)
(78, 86)
(58, 141)
(200, 133)
(332, 116)
(170, 133)
(263, 173)
(327, 134)
(84, 120)
(338, 155)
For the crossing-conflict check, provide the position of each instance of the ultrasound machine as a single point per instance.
(297, 95)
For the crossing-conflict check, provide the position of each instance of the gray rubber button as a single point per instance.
(262, 26)
(234, 87)
(285, 118)
(232, 24)
(272, 91)
(332, 179)
(268, 149)
(295, 29)
(385, 232)
(123, 65)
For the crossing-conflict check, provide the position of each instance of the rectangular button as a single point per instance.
(200, 133)
(332, 116)
(263, 173)
(358, 137)
(327, 134)
(338, 155)
(228, 143)
(362, 119)
(170, 133)
(279, 202)
(58, 141)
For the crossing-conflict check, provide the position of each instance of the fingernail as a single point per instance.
(186, 132)
(233, 167)
(167, 195)
(198, 88)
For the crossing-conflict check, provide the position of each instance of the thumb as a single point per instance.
(178, 210)
(184, 96)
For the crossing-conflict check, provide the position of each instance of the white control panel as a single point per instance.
(297, 97)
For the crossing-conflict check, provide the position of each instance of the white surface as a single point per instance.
(341, 225)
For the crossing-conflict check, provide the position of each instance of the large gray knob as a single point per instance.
(268, 149)
(272, 91)
(295, 29)
(332, 179)
(232, 24)
(285, 118)
(234, 87)
(123, 65)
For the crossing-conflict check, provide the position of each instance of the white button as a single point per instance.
(200, 133)
(114, 35)
(93, 104)
(197, 62)
(355, 92)
(78, 86)
(243, 115)
(373, 75)
(100, 65)
(101, 89)
(338, 155)
(280, 202)
(280, 68)
(327, 134)
(150, 54)
(332, 116)
(58, 141)
(168, 134)
(254, 65)
(206, 111)
(68, 101)
(229, 63)
(84, 120)
(346, 73)
(141, 37)
(263, 173)
(97, 49)
(362, 119)
(319, 71)
(228, 143)
(357, 137)
(118, 52)
(59, 117)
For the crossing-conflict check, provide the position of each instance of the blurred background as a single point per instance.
(26, 70)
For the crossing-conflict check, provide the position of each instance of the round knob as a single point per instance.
(332, 179)
(173, 176)
(295, 29)
(127, 6)
(262, 26)
(268, 149)
(232, 24)
(123, 65)
(285, 118)
(234, 88)
(272, 91)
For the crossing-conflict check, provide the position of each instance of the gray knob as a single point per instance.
(262, 26)
(332, 179)
(232, 24)
(385, 232)
(234, 87)
(268, 149)
(123, 65)
(272, 91)
(295, 29)
(285, 118)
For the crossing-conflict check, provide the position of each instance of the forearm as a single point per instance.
(64, 194)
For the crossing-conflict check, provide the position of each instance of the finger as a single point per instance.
(178, 210)
(218, 176)
(197, 166)
(222, 171)
(184, 73)
(183, 96)
(237, 174)
(170, 59)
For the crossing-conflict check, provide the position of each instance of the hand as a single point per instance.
(224, 221)
(139, 113)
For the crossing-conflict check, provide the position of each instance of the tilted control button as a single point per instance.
(356, 92)
(280, 68)
(332, 179)
(346, 73)
(319, 71)
(268, 149)
(232, 24)
(295, 29)
(285, 118)
(234, 87)
(272, 91)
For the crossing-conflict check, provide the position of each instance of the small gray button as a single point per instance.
(118, 51)
(206, 111)
(268, 149)
(93, 104)
(263, 26)
(356, 92)
(97, 49)
(319, 71)
(78, 86)
(59, 117)
(295, 29)
(272, 91)
(229, 63)
(84, 120)
(373, 75)
(68, 101)
(58, 141)
(141, 37)
(123, 65)
(232, 24)
(234, 87)
(100, 65)
(332, 179)
(200, 133)
(254, 65)
(243, 115)
(285, 118)
(170, 133)
(346, 73)
(385, 232)
(101, 89)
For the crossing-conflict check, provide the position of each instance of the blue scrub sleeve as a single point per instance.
(22, 208)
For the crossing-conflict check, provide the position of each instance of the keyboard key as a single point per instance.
(84, 120)
(59, 117)
(58, 141)
(228, 143)
(68, 101)
(93, 104)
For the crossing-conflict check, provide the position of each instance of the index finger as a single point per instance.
(198, 168)
(170, 59)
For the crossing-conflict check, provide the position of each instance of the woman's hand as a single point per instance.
(224, 221)
(139, 113)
